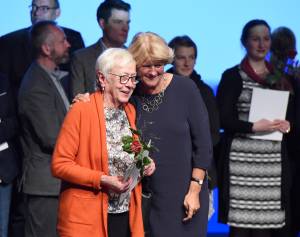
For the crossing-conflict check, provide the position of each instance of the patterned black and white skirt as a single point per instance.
(255, 184)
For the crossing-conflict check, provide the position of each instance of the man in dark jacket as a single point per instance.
(15, 58)
(8, 151)
(113, 18)
(42, 104)
(16, 55)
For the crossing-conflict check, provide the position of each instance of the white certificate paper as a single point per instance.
(268, 104)
(134, 173)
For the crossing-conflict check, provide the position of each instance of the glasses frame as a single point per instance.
(35, 8)
(127, 80)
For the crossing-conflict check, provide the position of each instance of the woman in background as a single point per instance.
(283, 53)
(254, 173)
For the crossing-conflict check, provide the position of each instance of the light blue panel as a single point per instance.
(214, 25)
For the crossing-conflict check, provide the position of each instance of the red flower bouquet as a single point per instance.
(134, 145)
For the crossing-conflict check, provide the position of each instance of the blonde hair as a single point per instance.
(150, 47)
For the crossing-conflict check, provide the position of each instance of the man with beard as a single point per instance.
(42, 107)
(113, 18)
(15, 59)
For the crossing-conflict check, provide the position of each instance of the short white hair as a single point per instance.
(113, 57)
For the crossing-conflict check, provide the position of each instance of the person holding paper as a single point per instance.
(254, 190)
(90, 160)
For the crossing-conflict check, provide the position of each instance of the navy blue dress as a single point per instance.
(179, 129)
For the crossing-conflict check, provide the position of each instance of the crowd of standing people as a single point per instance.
(66, 111)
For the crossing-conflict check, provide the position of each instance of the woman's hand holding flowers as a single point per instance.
(140, 149)
(149, 169)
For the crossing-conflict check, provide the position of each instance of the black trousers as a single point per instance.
(118, 225)
(41, 216)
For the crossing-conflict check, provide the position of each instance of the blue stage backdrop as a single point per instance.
(214, 25)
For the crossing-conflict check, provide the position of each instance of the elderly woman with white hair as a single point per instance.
(91, 162)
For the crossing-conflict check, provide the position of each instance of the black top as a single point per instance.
(179, 130)
(82, 69)
(9, 157)
(294, 149)
(297, 91)
(229, 90)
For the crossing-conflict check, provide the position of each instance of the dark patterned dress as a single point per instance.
(254, 174)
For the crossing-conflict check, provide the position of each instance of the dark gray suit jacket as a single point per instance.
(82, 69)
(41, 111)
(16, 55)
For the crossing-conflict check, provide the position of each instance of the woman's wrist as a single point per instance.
(194, 187)
(199, 181)
(104, 180)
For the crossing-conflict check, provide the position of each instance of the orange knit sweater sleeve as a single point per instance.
(66, 164)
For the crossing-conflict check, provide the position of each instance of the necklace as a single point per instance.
(151, 103)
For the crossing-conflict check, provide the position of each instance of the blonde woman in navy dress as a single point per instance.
(171, 112)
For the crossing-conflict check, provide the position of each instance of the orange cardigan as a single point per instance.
(79, 159)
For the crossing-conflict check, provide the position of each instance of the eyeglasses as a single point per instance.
(125, 78)
(43, 9)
